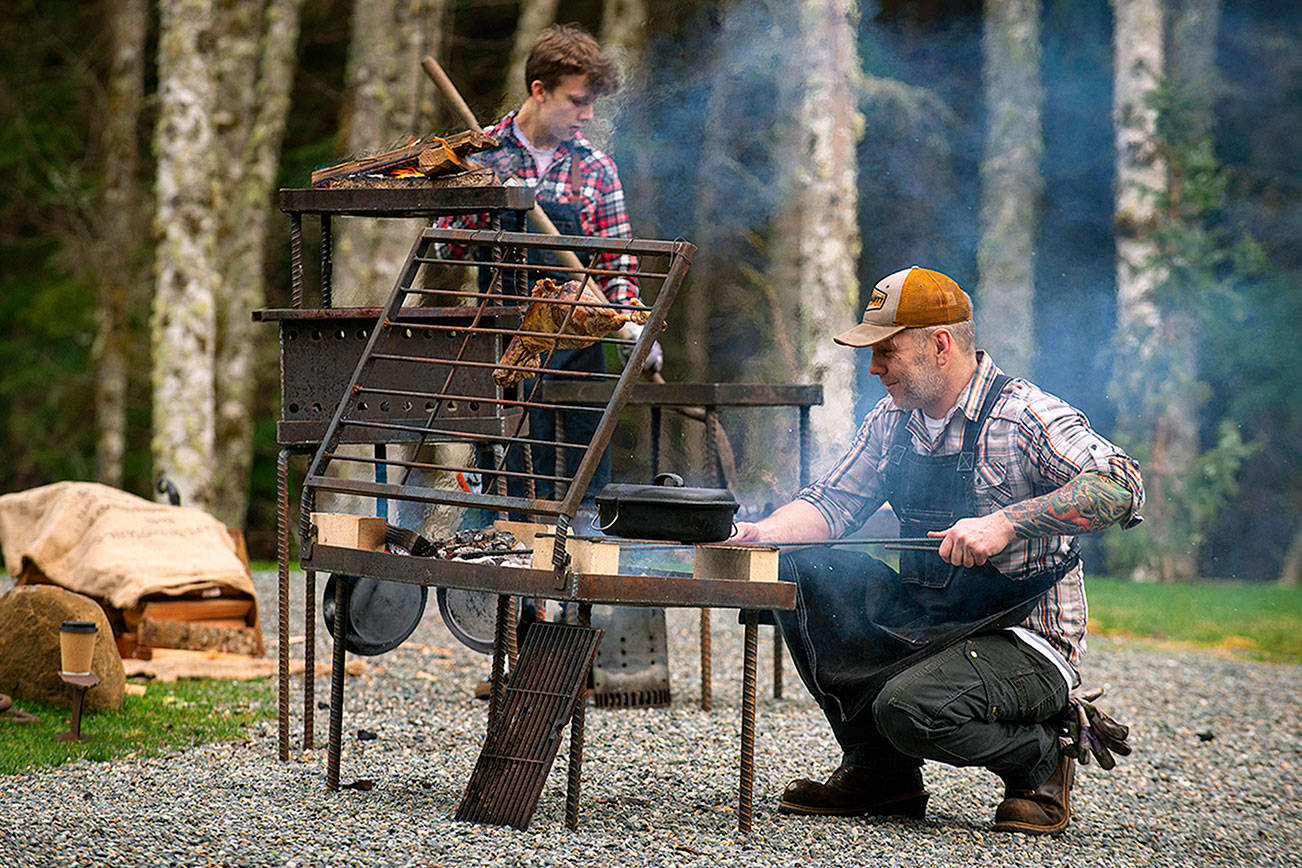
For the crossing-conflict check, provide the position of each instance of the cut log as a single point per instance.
(199, 636)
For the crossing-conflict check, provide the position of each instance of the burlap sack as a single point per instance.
(114, 546)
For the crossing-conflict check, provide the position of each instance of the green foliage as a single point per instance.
(1198, 496)
(167, 717)
(1208, 284)
(1262, 620)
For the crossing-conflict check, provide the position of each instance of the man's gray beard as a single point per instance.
(929, 386)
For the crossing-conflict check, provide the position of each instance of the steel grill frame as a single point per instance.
(304, 432)
(481, 320)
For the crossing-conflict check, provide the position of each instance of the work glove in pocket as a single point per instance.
(1087, 730)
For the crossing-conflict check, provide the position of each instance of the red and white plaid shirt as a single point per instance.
(1033, 444)
(602, 211)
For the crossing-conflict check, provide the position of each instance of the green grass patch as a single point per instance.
(169, 716)
(1258, 620)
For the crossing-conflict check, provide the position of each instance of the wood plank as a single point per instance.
(189, 609)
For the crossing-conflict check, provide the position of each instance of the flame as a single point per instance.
(406, 172)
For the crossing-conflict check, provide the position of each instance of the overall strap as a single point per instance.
(972, 431)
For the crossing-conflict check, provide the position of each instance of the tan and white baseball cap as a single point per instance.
(911, 298)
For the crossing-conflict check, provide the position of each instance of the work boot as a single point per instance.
(854, 792)
(1044, 810)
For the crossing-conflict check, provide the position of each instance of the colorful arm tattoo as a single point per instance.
(1088, 503)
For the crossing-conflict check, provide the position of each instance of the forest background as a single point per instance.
(1115, 183)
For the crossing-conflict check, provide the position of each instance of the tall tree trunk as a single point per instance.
(125, 212)
(822, 233)
(383, 108)
(535, 16)
(1010, 183)
(184, 322)
(386, 104)
(1155, 372)
(256, 53)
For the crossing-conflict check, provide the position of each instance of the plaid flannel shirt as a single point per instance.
(1033, 444)
(602, 210)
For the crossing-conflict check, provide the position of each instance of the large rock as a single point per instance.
(30, 616)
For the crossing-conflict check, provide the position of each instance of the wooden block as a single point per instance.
(743, 563)
(591, 557)
(349, 531)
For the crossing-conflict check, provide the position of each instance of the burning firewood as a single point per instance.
(546, 326)
(422, 158)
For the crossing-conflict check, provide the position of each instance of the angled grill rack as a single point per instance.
(428, 363)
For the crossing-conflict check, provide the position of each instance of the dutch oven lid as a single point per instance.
(381, 614)
(668, 488)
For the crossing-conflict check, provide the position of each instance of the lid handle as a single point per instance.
(669, 479)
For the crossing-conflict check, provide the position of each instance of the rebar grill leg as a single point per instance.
(296, 257)
(309, 661)
(499, 658)
(306, 504)
(282, 597)
(705, 660)
(343, 591)
(576, 740)
(327, 262)
(512, 638)
(747, 782)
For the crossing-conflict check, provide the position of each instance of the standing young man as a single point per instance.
(966, 654)
(541, 144)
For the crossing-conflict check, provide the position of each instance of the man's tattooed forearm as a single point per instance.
(1088, 503)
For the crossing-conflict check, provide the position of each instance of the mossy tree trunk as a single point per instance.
(1011, 183)
(255, 59)
(122, 226)
(184, 321)
(535, 16)
(819, 244)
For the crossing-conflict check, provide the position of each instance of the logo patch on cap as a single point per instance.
(878, 299)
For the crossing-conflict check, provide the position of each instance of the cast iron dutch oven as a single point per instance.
(666, 510)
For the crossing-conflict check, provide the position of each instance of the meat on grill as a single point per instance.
(547, 321)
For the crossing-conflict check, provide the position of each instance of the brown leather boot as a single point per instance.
(1044, 810)
(855, 792)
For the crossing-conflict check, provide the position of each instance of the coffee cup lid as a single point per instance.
(78, 627)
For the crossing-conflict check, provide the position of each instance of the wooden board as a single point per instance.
(190, 609)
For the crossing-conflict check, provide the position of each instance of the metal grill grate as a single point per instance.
(523, 739)
(426, 376)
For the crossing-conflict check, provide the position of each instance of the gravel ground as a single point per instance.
(1215, 779)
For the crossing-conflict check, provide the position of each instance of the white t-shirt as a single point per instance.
(541, 159)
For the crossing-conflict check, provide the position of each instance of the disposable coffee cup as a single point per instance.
(77, 646)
